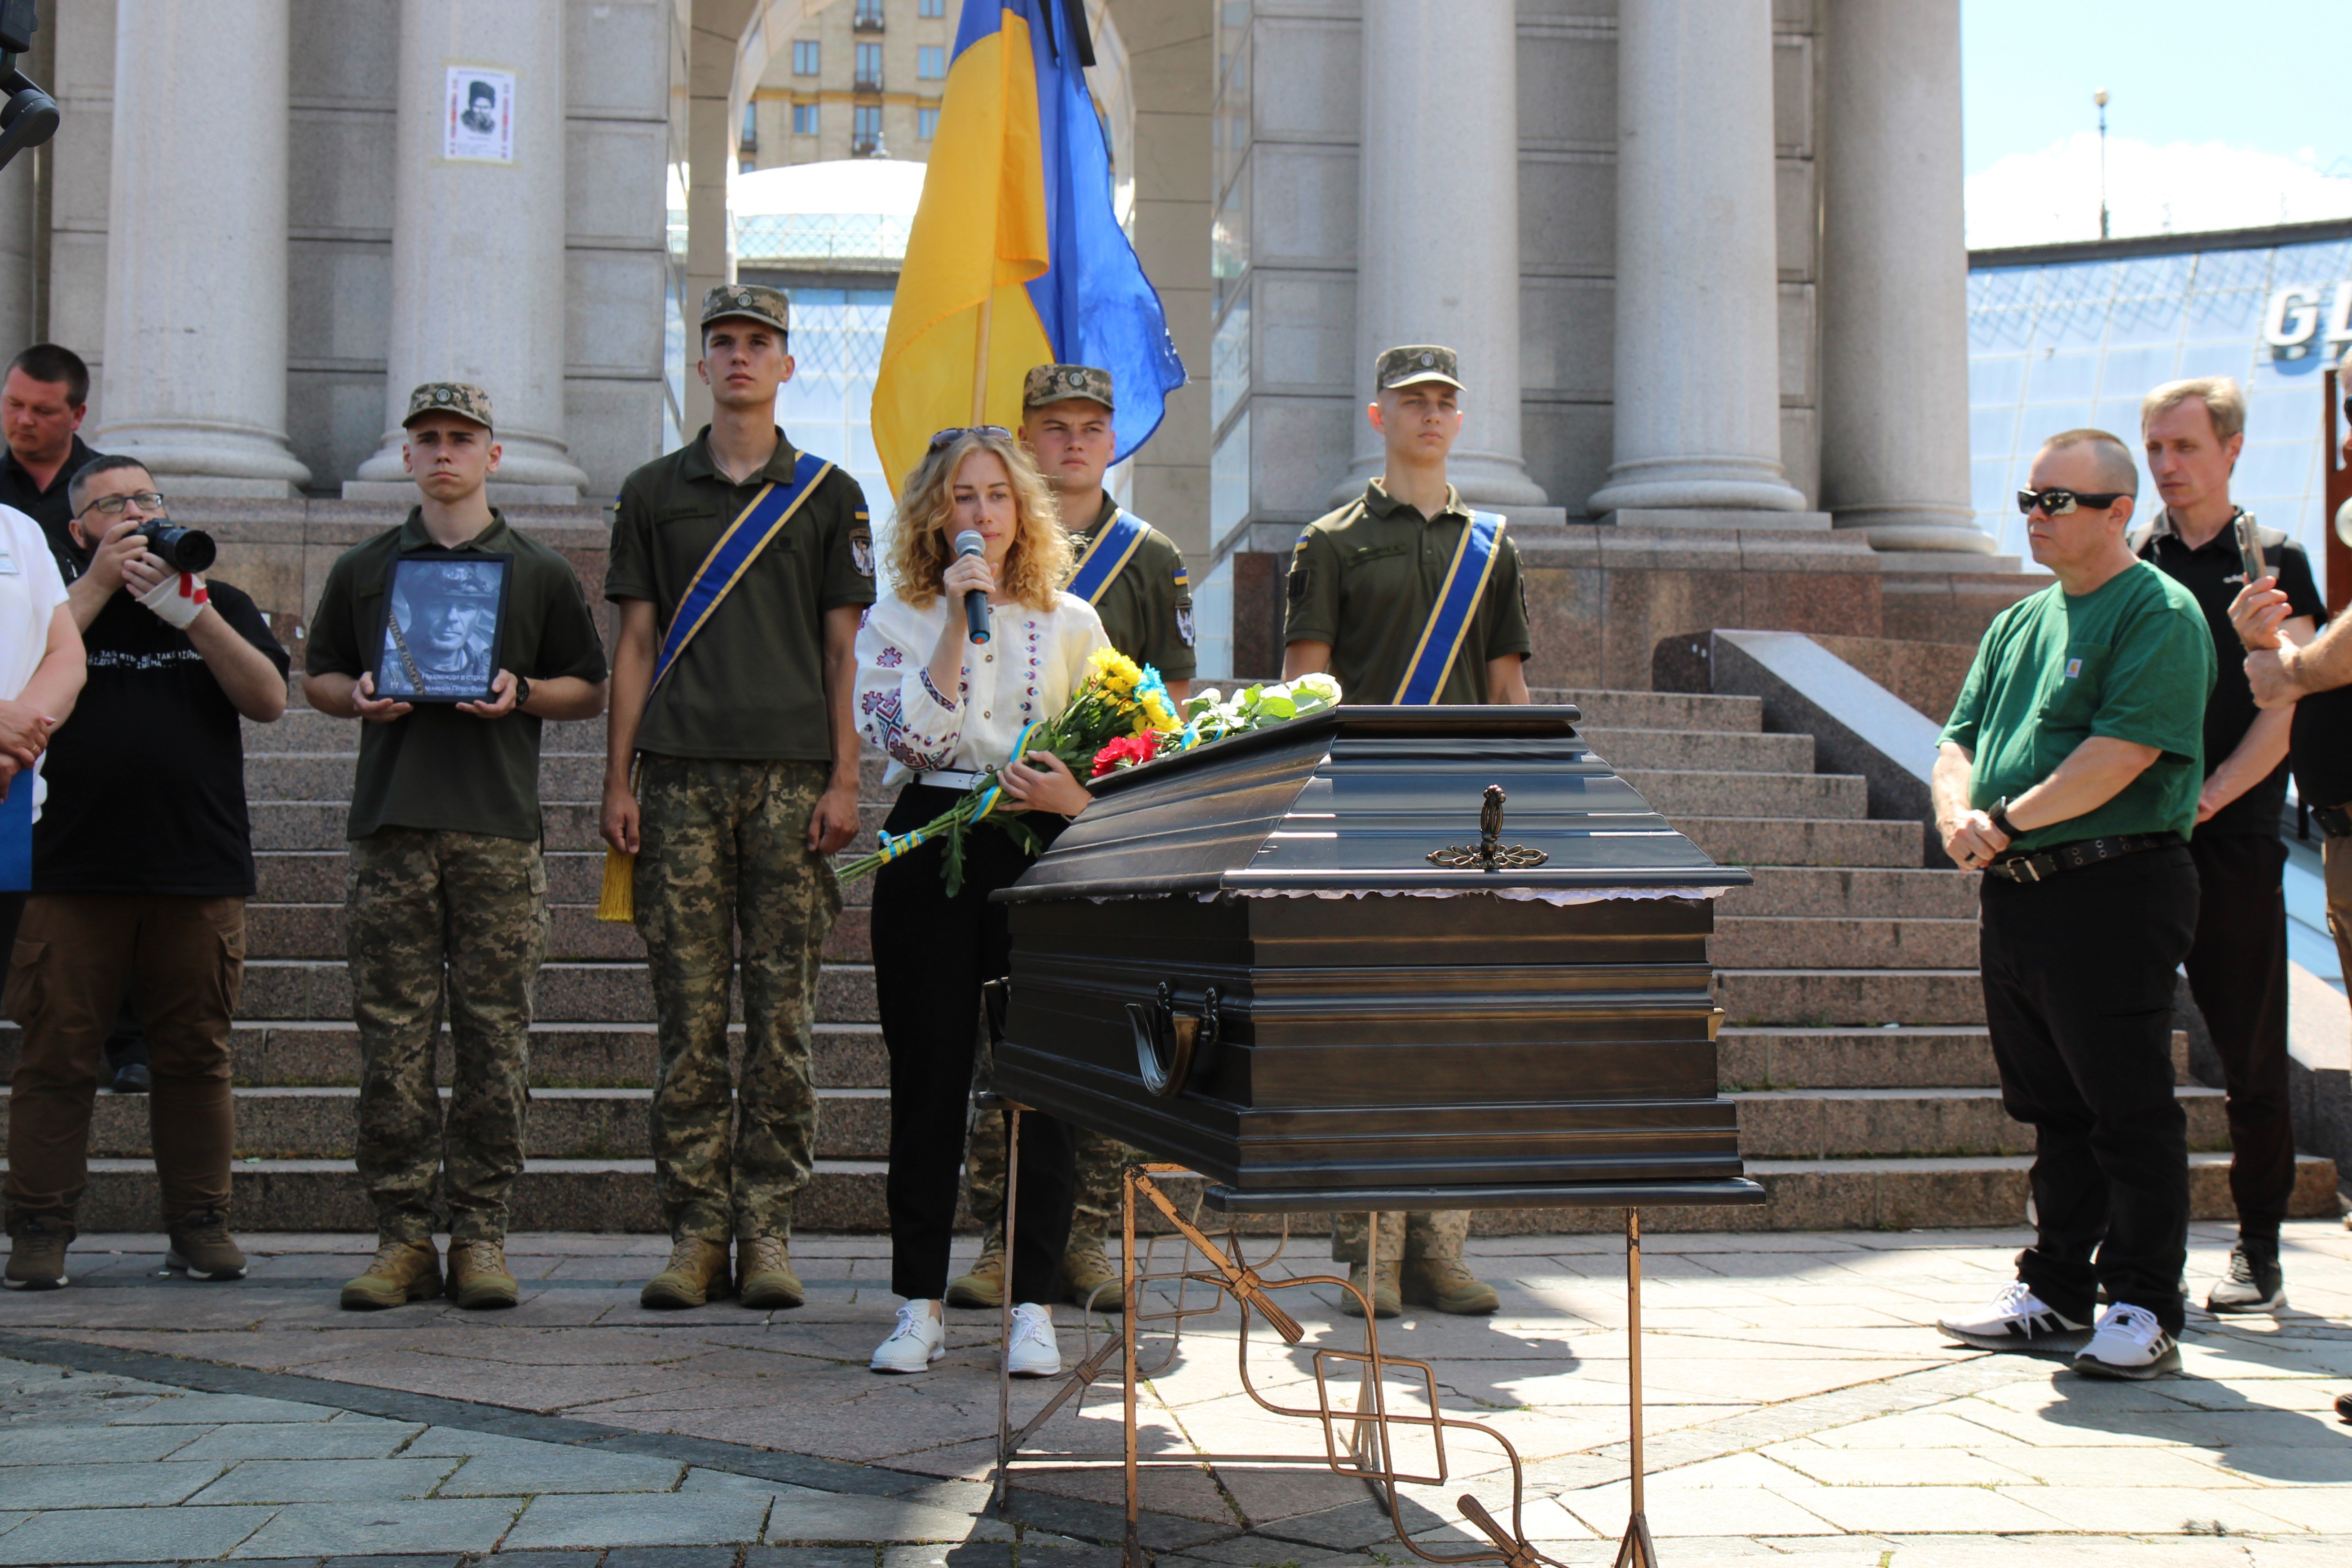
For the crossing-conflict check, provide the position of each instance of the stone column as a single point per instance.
(1437, 253)
(195, 254)
(1894, 278)
(478, 282)
(1697, 344)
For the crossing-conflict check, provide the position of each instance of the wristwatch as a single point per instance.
(1999, 812)
(522, 690)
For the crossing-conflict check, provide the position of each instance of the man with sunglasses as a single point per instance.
(731, 773)
(142, 860)
(2191, 432)
(2069, 773)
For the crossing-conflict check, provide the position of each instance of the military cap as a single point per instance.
(1414, 363)
(462, 398)
(460, 580)
(1053, 383)
(752, 301)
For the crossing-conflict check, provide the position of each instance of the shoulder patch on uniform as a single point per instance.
(1184, 623)
(1184, 578)
(1304, 535)
(1302, 580)
(861, 548)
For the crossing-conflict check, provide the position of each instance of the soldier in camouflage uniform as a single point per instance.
(732, 782)
(1147, 612)
(1363, 582)
(446, 901)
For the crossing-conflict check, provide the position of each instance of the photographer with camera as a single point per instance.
(142, 860)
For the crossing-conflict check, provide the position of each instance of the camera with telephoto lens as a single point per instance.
(29, 116)
(181, 549)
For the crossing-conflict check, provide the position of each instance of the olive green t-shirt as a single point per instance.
(1147, 609)
(1365, 578)
(750, 686)
(435, 767)
(2132, 659)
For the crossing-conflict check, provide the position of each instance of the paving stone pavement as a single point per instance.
(1801, 1407)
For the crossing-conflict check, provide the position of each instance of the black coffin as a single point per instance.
(1281, 961)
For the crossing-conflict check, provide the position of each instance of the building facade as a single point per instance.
(861, 78)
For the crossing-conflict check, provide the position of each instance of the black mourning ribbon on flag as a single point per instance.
(1073, 16)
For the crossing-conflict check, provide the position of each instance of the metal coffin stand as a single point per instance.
(1319, 966)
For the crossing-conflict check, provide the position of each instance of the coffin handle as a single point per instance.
(1167, 1044)
(995, 997)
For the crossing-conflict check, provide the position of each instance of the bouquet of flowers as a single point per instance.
(1120, 715)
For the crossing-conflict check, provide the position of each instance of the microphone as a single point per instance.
(975, 603)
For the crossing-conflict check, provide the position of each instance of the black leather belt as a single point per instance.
(2041, 864)
(2334, 820)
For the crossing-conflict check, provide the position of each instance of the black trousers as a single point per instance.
(930, 954)
(2078, 987)
(2237, 972)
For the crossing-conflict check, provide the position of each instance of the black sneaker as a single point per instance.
(134, 1078)
(2018, 1320)
(2344, 1408)
(2254, 1282)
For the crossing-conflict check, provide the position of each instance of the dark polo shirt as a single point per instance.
(2214, 574)
(1365, 578)
(1147, 609)
(750, 686)
(435, 767)
(49, 506)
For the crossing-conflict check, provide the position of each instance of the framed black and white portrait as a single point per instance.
(479, 125)
(443, 624)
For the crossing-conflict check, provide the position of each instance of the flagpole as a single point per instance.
(979, 363)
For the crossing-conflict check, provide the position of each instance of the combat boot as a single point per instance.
(1444, 1284)
(1088, 1277)
(37, 1251)
(696, 1271)
(479, 1276)
(1385, 1300)
(402, 1271)
(984, 1286)
(202, 1247)
(764, 1280)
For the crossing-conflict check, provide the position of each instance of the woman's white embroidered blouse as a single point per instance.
(1025, 672)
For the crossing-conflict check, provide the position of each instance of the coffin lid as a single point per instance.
(1354, 799)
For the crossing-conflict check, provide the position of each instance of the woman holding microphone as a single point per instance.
(945, 708)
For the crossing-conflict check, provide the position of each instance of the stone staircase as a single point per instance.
(1854, 1037)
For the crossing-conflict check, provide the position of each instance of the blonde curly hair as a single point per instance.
(1035, 567)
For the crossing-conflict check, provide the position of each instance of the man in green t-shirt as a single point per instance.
(731, 784)
(445, 874)
(2068, 772)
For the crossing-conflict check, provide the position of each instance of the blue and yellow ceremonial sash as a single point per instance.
(753, 530)
(1457, 607)
(1108, 553)
(16, 833)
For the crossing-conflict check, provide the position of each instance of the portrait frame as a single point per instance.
(426, 593)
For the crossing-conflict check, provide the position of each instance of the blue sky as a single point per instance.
(2259, 86)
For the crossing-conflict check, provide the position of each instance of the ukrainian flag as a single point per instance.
(1016, 213)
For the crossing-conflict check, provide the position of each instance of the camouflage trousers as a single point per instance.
(1421, 1234)
(435, 914)
(723, 849)
(1095, 1217)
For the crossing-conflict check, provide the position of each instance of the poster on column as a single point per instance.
(480, 122)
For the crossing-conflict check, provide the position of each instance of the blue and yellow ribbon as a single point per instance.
(1457, 607)
(1108, 553)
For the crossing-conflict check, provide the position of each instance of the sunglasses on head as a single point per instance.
(948, 437)
(2057, 503)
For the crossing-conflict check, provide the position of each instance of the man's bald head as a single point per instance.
(2110, 459)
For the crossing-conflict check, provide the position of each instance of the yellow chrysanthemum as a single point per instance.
(1117, 672)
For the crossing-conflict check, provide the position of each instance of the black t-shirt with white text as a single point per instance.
(147, 775)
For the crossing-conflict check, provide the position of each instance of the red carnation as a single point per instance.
(1126, 753)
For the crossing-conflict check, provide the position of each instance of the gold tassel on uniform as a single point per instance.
(618, 901)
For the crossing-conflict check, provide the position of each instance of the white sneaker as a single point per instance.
(2129, 1343)
(2018, 1320)
(1032, 1351)
(919, 1340)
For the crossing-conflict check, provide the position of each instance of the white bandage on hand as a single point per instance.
(178, 599)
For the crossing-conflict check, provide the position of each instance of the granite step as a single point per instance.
(1905, 1057)
(1885, 1123)
(1800, 841)
(305, 728)
(282, 1124)
(317, 931)
(568, 993)
(1715, 750)
(1843, 892)
(1800, 941)
(1975, 1192)
(1816, 998)
(319, 1053)
(1677, 792)
(1658, 709)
